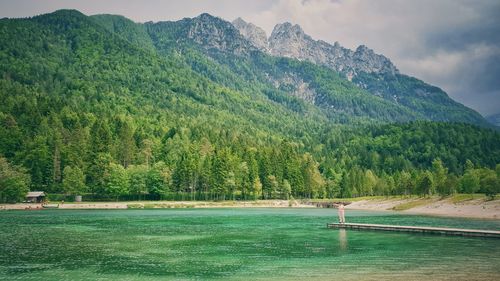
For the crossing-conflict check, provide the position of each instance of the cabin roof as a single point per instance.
(35, 194)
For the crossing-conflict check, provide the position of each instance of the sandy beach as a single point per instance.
(465, 207)
(162, 204)
(468, 208)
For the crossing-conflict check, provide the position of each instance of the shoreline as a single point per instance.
(477, 208)
(159, 205)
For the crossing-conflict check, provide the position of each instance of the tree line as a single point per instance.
(114, 159)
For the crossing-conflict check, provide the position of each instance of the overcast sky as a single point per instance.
(453, 44)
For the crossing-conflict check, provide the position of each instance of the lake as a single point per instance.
(236, 244)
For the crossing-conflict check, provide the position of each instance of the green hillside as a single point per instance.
(429, 101)
(237, 64)
(372, 97)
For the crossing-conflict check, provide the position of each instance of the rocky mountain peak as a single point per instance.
(289, 30)
(290, 40)
(206, 16)
(239, 23)
(210, 23)
(367, 61)
(362, 49)
(215, 33)
(256, 35)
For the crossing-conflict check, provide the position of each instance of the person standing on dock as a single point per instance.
(341, 213)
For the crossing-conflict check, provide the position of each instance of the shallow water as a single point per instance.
(236, 244)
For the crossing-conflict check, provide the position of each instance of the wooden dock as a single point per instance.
(418, 229)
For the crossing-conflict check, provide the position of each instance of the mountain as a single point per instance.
(300, 86)
(83, 60)
(212, 33)
(193, 107)
(396, 99)
(372, 72)
(494, 119)
(256, 35)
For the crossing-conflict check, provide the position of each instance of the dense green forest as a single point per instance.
(109, 109)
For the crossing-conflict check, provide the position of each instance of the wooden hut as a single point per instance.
(35, 196)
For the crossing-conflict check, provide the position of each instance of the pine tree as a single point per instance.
(220, 170)
(126, 143)
(205, 176)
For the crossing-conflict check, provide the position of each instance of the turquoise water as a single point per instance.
(236, 244)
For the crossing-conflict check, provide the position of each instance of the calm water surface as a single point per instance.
(236, 244)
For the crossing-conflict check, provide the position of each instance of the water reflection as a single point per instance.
(343, 239)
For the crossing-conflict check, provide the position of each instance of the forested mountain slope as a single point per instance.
(368, 70)
(101, 105)
(72, 91)
(215, 49)
(296, 85)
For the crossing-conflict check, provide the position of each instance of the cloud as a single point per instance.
(470, 75)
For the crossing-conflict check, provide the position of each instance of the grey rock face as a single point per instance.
(289, 40)
(366, 60)
(296, 86)
(256, 35)
(214, 33)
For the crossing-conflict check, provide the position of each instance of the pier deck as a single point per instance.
(418, 229)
